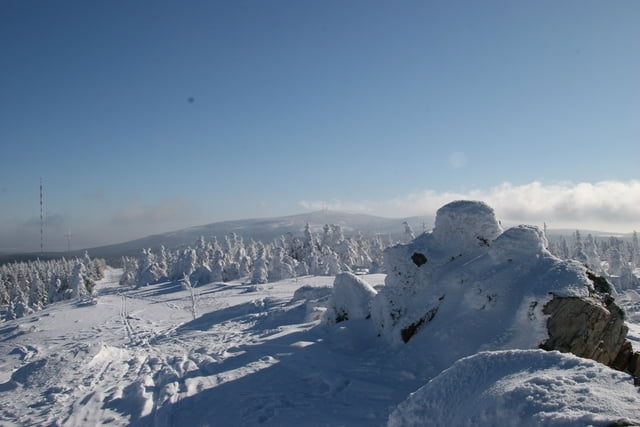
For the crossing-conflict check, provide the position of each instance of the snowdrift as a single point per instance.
(522, 388)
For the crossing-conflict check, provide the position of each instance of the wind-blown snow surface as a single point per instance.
(235, 354)
(251, 356)
(522, 388)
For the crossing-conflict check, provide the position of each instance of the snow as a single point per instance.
(138, 356)
(261, 355)
(465, 225)
(350, 299)
(522, 388)
(630, 301)
(439, 290)
(237, 353)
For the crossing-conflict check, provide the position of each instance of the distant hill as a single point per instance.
(265, 229)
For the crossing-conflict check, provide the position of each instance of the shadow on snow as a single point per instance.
(321, 376)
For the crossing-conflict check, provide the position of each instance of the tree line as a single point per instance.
(610, 256)
(256, 262)
(26, 287)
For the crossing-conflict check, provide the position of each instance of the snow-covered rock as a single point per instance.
(591, 327)
(468, 287)
(524, 242)
(350, 299)
(522, 388)
(465, 226)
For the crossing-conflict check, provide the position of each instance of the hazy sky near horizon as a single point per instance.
(147, 116)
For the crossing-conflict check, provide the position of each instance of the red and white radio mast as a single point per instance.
(41, 218)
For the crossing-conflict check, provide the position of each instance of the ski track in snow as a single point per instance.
(250, 357)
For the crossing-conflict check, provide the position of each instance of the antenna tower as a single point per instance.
(41, 218)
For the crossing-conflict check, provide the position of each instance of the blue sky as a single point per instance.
(147, 116)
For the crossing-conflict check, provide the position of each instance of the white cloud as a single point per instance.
(607, 205)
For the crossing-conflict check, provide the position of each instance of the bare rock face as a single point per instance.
(586, 328)
(592, 327)
(628, 361)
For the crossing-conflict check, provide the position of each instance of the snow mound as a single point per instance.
(350, 299)
(105, 354)
(465, 225)
(522, 388)
(523, 242)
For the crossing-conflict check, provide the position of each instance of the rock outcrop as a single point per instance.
(469, 286)
(592, 327)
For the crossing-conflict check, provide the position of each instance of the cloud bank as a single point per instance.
(607, 205)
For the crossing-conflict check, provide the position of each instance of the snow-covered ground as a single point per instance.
(236, 354)
(522, 388)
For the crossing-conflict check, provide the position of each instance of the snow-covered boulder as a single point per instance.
(350, 299)
(524, 243)
(465, 226)
(522, 388)
(463, 230)
(593, 327)
(442, 265)
(468, 287)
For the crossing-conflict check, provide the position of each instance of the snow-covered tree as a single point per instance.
(331, 263)
(260, 272)
(187, 263)
(37, 294)
(77, 281)
(626, 279)
(4, 291)
(217, 267)
(562, 248)
(231, 271)
(281, 266)
(244, 266)
(347, 254)
(129, 271)
(56, 290)
(591, 251)
(615, 261)
(29, 286)
(302, 269)
(408, 233)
